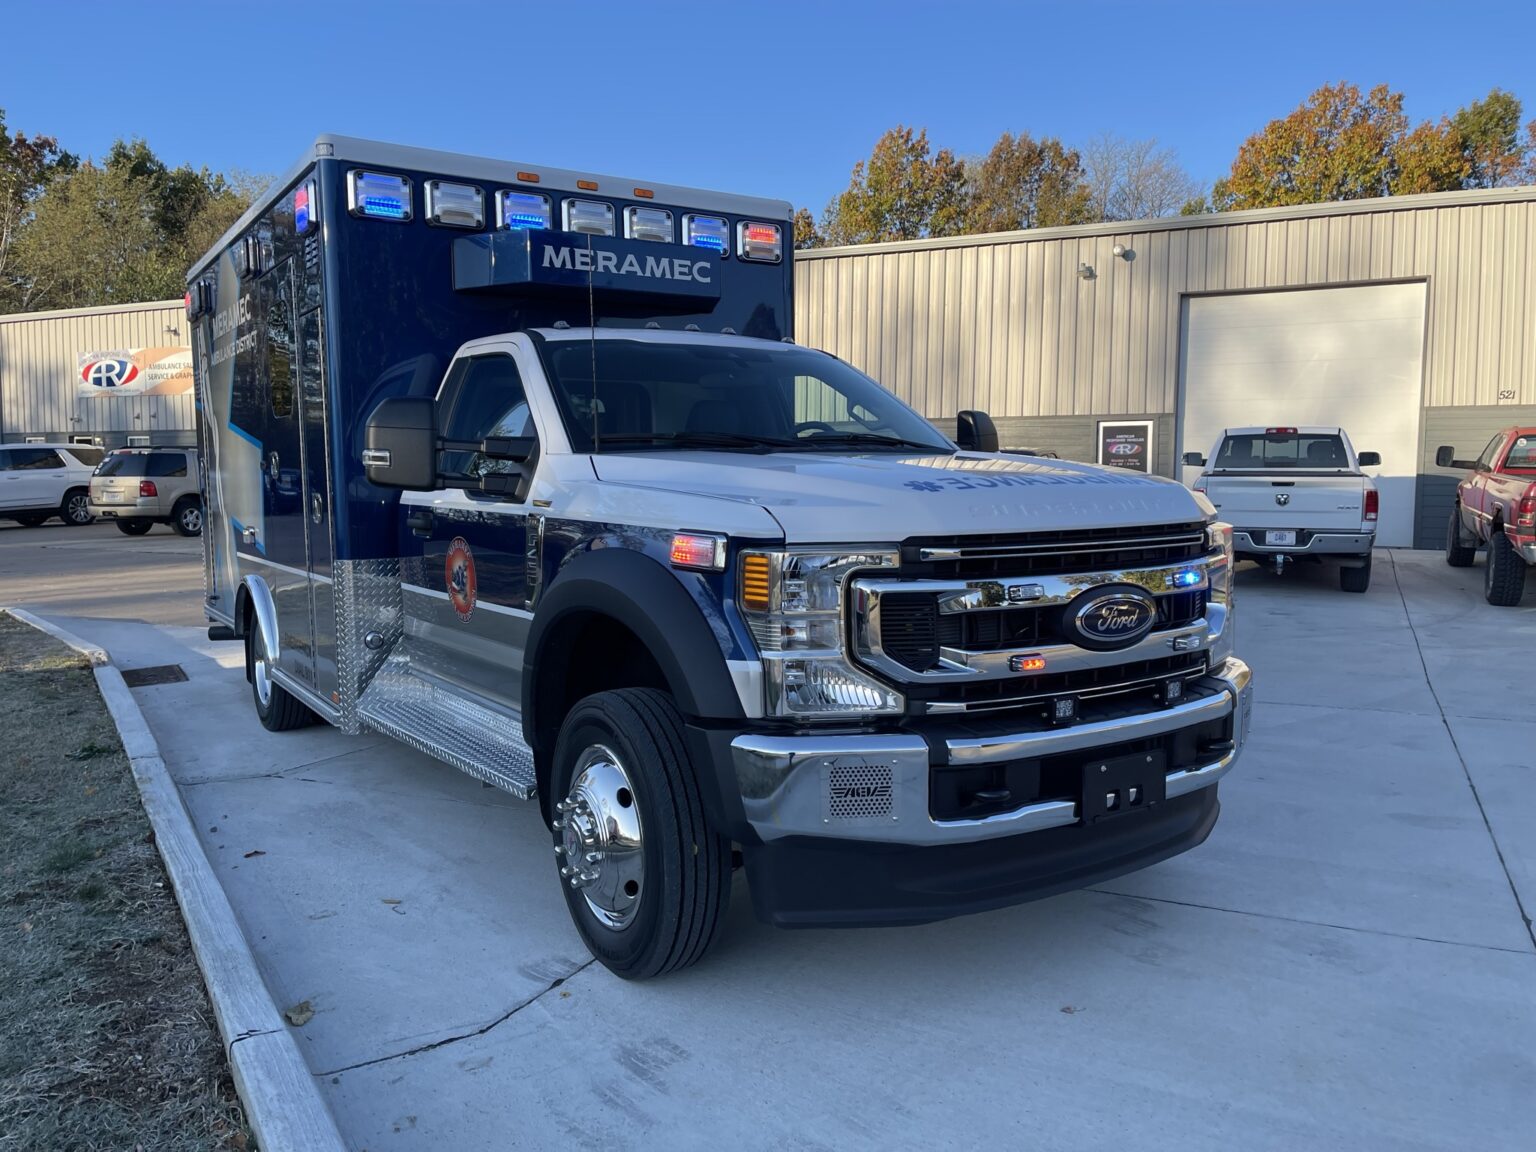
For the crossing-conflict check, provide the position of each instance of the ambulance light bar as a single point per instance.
(378, 195)
(648, 224)
(759, 242)
(523, 209)
(591, 216)
(305, 205)
(707, 232)
(455, 205)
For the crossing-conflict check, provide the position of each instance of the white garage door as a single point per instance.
(1344, 356)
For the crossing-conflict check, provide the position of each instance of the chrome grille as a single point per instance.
(1041, 553)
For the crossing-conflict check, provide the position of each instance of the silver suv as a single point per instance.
(137, 488)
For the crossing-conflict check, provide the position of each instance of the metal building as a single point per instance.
(1410, 321)
(115, 376)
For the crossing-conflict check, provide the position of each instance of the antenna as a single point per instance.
(597, 442)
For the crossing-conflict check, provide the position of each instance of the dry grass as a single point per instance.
(107, 1040)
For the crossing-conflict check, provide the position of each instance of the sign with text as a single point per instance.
(1126, 444)
(163, 371)
(531, 260)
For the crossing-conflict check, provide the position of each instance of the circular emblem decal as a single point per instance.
(459, 576)
(1108, 618)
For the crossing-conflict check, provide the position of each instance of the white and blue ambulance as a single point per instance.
(520, 466)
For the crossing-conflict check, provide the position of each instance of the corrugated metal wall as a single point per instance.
(38, 356)
(1007, 324)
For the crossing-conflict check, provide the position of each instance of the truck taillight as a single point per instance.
(1526, 517)
(147, 488)
(1372, 503)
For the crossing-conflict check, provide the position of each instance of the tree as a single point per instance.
(1490, 140)
(27, 164)
(806, 235)
(904, 191)
(1136, 179)
(1026, 183)
(123, 231)
(1340, 145)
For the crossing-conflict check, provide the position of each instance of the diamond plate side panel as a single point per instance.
(484, 742)
(367, 600)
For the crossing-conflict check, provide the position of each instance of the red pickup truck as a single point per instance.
(1495, 507)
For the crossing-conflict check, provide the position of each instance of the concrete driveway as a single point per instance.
(1345, 963)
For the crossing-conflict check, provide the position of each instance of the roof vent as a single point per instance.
(690, 328)
(561, 324)
(652, 324)
(727, 331)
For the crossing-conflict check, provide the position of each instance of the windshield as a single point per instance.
(730, 397)
(1282, 450)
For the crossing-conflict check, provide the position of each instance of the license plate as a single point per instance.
(1286, 538)
(1124, 784)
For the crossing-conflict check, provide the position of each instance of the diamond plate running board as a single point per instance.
(441, 721)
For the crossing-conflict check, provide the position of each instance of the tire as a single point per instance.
(187, 516)
(75, 509)
(1457, 554)
(277, 708)
(33, 519)
(1356, 579)
(134, 527)
(661, 907)
(1504, 579)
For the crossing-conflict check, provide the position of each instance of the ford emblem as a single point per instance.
(1109, 618)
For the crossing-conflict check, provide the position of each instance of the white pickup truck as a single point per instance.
(1294, 494)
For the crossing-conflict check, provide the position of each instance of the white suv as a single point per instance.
(40, 481)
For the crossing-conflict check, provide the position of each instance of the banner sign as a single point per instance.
(135, 372)
(1126, 444)
(533, 259)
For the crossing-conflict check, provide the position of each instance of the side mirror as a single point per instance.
(1445, 456)
(975, 430)
(401, 444)
(1194, 460)
(1370, 459)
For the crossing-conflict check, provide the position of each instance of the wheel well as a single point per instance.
(585, 653)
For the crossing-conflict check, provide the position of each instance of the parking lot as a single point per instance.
(1347, 962)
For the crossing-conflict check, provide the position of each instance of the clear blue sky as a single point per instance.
(767, 99)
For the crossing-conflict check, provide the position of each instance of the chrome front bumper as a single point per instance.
(876, 787)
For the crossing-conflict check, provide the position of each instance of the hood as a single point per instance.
(883, 497)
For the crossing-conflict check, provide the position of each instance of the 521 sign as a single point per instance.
(1506, 395)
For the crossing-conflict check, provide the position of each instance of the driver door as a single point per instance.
(465, 584)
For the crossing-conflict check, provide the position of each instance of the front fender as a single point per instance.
(648, 599)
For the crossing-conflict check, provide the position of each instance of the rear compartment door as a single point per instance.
(1317, 503)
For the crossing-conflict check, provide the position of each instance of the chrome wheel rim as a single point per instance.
(192, 519)
(261, 674)
(80, 509)
(598, 839)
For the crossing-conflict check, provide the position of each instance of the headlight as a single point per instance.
(793, 604)
(1218, 613)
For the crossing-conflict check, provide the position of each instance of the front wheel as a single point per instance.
(645, 875)
(133, 527)
(1457, 554)
(277, 708)
(76, 508)
(1504, 579)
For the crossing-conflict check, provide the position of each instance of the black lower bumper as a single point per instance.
(807, 882)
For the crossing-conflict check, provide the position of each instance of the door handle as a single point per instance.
(420, 522)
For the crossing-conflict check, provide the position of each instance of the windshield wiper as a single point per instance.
(695, 439)
(870, 438)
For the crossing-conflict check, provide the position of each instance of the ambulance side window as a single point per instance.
(484, 399)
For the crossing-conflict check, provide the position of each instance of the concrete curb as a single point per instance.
(282, 1100)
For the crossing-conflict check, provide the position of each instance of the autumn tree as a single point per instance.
(1136, 179)
(1489, 131)
(904, 191)
(122, 231)
(1026, 183)
(27, 165)
(806, 233)
(1341, 145)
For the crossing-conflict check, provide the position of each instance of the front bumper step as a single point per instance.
(876, 787)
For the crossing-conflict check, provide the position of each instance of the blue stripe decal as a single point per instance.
(244, 435)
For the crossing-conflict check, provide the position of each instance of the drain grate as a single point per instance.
(157, 674)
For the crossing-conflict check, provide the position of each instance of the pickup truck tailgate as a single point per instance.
(1331, 503)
